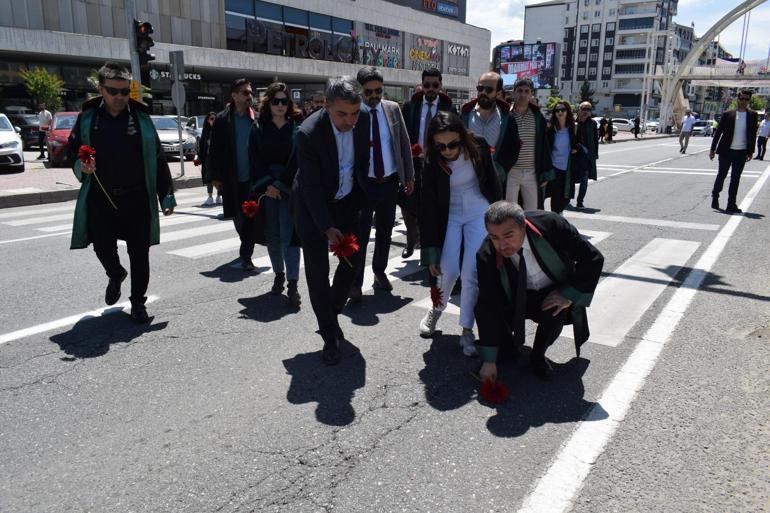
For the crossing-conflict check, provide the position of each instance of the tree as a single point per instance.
(587, 94)
(553, 100)
(44, 87)
(756, 103)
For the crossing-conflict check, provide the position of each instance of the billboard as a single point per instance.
(379, 46)
(423, 52)
(534, 61)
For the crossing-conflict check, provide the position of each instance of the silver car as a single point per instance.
(11, 154)
(168, 133)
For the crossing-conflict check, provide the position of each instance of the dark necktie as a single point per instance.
(521, 299)
(379, 166)
(428, 118)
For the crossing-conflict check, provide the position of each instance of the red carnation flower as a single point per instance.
(250, 208)
(197, 162)
(493, 392)
(345, 247)
(436, 296)
(86, 154)
(416, 150)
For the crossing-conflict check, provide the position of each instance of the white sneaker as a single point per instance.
(209, 201)
(428, 323)
(467, 343)
(219, 199)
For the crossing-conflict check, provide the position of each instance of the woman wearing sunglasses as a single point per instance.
(203, 151)
(459, 183)
(276, 165)
(560, 135)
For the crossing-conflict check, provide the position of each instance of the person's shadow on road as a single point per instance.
(331, 387)
(369, 310)
(231, 272)
(92, 337)
(266, 308)
(448, 374)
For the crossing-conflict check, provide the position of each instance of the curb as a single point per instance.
(44, 197)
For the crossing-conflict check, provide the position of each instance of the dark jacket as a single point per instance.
(588, 136)
(569, 185)
(413, 109)
(204, 147)
(723, 137)
(580, 262)
(434, 210)
(221, 159)
(317, 180)
(507, 154)
(505, 119)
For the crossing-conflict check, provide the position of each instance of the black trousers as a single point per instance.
(380, 201)
(548, 326)
(761, 147)
(243, 225)
(41, 141)
(410, 207)
(556, 191)
(130, 222)
(328, 300)
(735, 159)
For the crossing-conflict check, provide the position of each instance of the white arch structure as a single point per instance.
(675, 81)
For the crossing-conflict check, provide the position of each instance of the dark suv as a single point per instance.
(30, 126)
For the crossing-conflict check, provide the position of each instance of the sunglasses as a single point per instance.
(486, 89)
(560, 109)
(113, 91)
(431, 85)
(279, 101)
(452, 145)
(369, 92)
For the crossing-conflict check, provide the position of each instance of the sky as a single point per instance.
(505, 19)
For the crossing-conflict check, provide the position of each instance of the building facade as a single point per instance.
(300, 42)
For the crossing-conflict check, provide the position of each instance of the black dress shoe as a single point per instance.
(139, 313)
(408, 250)
(715, 203)
(294, 298)
(733, 209)
(278, 281)
(381, 281)
(355, 295)
(112, 294)
(330, 354)
(542, 369)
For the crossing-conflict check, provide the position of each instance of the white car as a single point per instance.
(11, 153)
(168, 133)
(623, 125)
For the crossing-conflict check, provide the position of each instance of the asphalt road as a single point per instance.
(222, 404)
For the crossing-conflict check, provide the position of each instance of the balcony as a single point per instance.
(635, 11)
(631, 41)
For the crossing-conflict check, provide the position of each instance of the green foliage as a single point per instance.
(44, 87)
(756, 103)
(553, 100)
(586, 93)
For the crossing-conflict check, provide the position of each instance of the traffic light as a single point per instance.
(143, 31)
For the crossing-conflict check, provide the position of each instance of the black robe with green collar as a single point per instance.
(570, 261)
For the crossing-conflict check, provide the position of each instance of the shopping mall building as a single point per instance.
(300, 42)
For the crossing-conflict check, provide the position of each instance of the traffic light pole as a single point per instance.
(136, 70)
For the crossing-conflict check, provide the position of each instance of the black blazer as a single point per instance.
(413, 109)
(434, 208)
(317, 179)
(723, 137)
(494, 308)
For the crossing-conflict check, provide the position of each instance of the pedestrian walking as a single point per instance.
(734, 142)
(532, 265)
(121, 185)
(459, 183)
(688, 121)
(764, 133)
(602, 129)
(333, 158)
(204, 146)
(637, 127)
(390, 164)
(231, 171)
(274, 157)
(588, 139)
(610, 130)
(424, 104)
(562, 139)
(44, 118)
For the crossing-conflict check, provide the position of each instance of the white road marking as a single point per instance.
(179, 217)
(39, 220)
(557, 489)
(594, 236)
(69, 321)
(621, 299)
(641, 220)
(191, 233)
(660, 172)
(34, 237)
(40, 210)
(208, 249)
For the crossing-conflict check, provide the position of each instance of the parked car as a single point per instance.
(30, 126)
(168, 133)
(598, 120)
(58, 134)
(702, 127)
(652, 125)
(623, 124)
(195, 125)
(11, 146)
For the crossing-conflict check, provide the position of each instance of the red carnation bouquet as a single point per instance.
(436, 296)
(493, 392)
(345, 247)
(86, 155)
(250, 208)
(416, 150)
(197, 162)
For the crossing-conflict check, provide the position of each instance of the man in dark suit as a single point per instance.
(734, 141)
(418, 112)
(333, 158)
(533, 265)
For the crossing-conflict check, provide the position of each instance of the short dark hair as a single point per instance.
(237, 83)
(445, 121)
(343, 88)
(265, 114)
(500, 211)
(369, 73)
(112, 71)
(524, 82)
(431, 72)
(746, 92)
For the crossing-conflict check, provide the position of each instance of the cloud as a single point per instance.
(706, 14)
(504, 18)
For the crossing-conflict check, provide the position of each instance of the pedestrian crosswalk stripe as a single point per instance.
(191, 233)
(23, 239)
(39, 220)
(29, 212)
(196, 214)
(696, 173)
(593, 236)
(641, 220)
(208, 249)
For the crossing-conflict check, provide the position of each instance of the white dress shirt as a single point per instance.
(345, 159)
(687, 123)
(388, 155)
(764, 128)
(739, 135)
(423, 113)
(537, 279)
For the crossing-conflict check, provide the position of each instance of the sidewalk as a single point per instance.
(39, 185)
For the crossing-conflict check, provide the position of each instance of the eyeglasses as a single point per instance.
(486, 89)
(369, 92)
(113, 91)
(452, 145)
(559, 109)
(279, 101)
(431, 85)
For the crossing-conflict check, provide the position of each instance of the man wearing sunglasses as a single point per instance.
(418, 112)
(121, 186)
(734, 141)
(390, 163)
(231, 171)
(588, 137)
